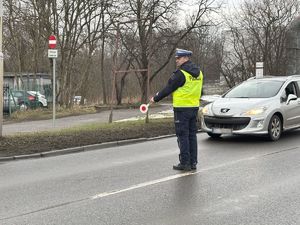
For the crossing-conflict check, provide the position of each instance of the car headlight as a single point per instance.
(205, 110)
(256, 111)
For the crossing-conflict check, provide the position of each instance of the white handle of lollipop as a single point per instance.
(144, 107)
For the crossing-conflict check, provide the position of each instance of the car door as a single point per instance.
(291, 109)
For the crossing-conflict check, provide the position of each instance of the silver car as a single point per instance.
(264, 106)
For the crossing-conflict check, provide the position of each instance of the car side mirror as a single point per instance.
(291, 97)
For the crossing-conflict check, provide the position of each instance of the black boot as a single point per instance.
(182, 167)
(194, 166)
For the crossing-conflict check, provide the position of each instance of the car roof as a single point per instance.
(278, 78)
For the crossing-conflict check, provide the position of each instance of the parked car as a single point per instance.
(10, 103)
(264, 106)
(41, 98)
(77, 99)
(29, 99)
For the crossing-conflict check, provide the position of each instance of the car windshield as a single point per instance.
(255, 89)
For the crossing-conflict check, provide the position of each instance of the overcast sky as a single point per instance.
(228, 5)
(233, 2)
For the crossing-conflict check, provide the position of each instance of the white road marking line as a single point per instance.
(176, 176)
(104, 194)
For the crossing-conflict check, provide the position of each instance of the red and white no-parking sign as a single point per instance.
(52, 42)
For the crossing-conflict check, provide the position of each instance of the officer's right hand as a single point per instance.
(152, 100)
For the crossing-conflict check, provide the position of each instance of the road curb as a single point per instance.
(6, 159)
(62, 151)
(29, 156)
(81, 149)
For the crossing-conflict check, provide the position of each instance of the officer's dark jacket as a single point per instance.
(177, 80)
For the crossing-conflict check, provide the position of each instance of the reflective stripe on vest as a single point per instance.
(189, 94)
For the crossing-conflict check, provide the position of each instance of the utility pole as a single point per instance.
(1, 69)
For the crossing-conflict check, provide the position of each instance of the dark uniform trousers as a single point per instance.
(186, 130)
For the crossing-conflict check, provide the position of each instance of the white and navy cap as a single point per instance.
(182, 52)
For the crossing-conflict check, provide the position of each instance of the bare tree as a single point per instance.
(206, 45)
(96, 29)
(155, 32)
(26, 22)
(257, 33)
(14, 41)
(78, 24)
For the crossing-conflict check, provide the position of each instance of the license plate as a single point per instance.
(222, 131)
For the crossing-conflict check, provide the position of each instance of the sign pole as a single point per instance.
(54, 93)
(52, 53)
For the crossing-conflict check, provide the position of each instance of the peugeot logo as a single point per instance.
(224, 110)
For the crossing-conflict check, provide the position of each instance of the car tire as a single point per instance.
(214, 136)
(23, 106)
(275, 128)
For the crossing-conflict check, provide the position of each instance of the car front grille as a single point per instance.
(234, 123)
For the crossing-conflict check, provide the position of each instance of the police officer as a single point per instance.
(185, 85)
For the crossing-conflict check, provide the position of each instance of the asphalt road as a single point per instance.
(240, 180)
(71, 121)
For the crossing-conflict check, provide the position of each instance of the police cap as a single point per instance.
(182, 52)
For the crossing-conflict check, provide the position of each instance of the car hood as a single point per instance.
(236, 106)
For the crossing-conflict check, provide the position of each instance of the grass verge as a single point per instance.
(83, 135)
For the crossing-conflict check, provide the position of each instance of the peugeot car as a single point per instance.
(259, 106)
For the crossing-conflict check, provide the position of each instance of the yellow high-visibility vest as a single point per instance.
(189, 94)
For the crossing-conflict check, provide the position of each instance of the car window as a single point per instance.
(255, 89)
(298, 84)
(290, 89)
(18, 94)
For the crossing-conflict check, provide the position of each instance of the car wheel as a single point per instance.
(214, 136)
(23, 107)
(275, 128)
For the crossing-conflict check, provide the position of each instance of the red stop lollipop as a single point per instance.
(144, 108)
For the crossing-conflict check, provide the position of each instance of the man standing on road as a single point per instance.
(185, 85)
